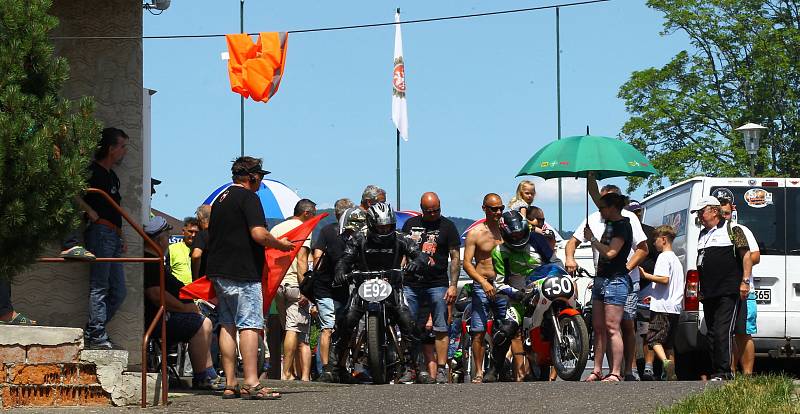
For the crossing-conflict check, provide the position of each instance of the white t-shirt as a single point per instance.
(290, 278)
(598, 226)
(668, 298)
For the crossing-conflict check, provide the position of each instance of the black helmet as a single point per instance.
(514, 229)
(381, 214)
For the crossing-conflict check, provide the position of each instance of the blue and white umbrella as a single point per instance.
(277, 199)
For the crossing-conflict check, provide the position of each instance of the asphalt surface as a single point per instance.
(543, 397)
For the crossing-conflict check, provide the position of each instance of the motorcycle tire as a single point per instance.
(579, 337)
(376, 338)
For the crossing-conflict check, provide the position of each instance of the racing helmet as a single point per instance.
(514, 229)
(381, 222)
(354, 219)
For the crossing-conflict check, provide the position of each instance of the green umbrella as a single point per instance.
(576, 156)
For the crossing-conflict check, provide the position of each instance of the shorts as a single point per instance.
(662, 329)
(482, 307)
(631, 304)
(611, 290)
(181, 327)
(239, 303)
(293, 317)
(746, 316)
(433, 297)
(329, 309)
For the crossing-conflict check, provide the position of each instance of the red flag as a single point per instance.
(275, 267)
(278, 262)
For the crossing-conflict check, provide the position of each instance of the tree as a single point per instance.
(45, 140)
(744, 66)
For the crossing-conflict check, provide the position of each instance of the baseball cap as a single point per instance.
(156, 226)
(633, 206)
(705, 202)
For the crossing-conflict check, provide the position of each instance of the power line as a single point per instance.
(328, 29)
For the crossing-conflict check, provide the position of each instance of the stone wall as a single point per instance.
(111, 72)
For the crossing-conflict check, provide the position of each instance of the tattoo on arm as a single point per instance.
(455, 266)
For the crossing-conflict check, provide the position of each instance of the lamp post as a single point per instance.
(752, 139)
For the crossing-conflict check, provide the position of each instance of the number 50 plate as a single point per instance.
(375, 290)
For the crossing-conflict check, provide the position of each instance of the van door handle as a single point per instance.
(796, 287)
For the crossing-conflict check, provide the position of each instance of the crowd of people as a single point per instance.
(226, 240)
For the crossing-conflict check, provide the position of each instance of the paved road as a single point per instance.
(542, 397)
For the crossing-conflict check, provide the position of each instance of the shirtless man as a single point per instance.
(480, 242)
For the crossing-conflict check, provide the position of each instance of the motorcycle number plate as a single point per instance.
(558, 287)
(375, 290)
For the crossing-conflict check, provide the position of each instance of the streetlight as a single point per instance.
(752, 137)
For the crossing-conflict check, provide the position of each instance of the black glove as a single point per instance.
(340, 279)
(417, 264)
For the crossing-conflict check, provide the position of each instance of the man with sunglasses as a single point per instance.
(478, 264)
(725, 266)
(436, 236)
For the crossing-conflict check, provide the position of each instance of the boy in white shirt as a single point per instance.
(666, 303)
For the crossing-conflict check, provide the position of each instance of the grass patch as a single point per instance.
(755, 394)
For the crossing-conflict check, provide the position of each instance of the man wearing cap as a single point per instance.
(184, 321)
(237, 237)
(725, 266)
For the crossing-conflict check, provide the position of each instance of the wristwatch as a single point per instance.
(594, 240)
(746, 281)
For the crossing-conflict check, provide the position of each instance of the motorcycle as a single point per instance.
(552, 322)
(380, 336)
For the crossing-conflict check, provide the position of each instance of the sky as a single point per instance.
(481, 97)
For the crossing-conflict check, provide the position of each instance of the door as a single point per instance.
(761, 206)
(793, 257)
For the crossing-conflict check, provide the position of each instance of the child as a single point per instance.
(666, 303)
(526, 191)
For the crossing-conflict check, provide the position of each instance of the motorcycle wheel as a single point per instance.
(376, 338)
(570, 359)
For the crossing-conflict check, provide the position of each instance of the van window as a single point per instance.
(763, 213)
(793, 221)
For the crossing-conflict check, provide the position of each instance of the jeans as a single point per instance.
(481, 307)
(434, 298)
(239, 303)
(106, 281)
(611, 290)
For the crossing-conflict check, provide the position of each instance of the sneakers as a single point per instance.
(490, 375)
(77, 253)
(669, 371)
(424, 378)
(208, 384)
(633, 376)
(103, 345)
(441, 376)
(408, 377)
(648, 375)
(328, 376)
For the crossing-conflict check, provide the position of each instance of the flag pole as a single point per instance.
(241, 98)
(558, 111)
(398, 168)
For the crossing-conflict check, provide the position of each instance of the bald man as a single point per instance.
(481, 240)
(434, 287)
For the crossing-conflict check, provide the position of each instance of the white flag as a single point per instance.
(399, 110)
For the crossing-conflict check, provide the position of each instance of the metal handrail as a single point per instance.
(162, 308)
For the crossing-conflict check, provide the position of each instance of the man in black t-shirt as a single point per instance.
(184, 321)
(104, 238)
(436, 284)
(328, 249)
(237, 236)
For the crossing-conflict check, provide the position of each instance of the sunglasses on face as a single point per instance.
(495, 209)
(431, 211)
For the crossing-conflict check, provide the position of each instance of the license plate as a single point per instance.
(374, 290)
(763, 296)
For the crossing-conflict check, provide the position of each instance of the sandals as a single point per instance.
(478, 379)
(78, 253)
(612, 378)
(258, 392)
(594, 377)
(19, 319)
(234, 392)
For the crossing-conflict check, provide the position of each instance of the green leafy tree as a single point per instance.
(743, 66)
(45, 140)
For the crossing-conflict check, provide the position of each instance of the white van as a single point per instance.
(769, 207)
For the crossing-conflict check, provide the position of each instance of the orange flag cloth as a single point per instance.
(255, 70)
(275, 267)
